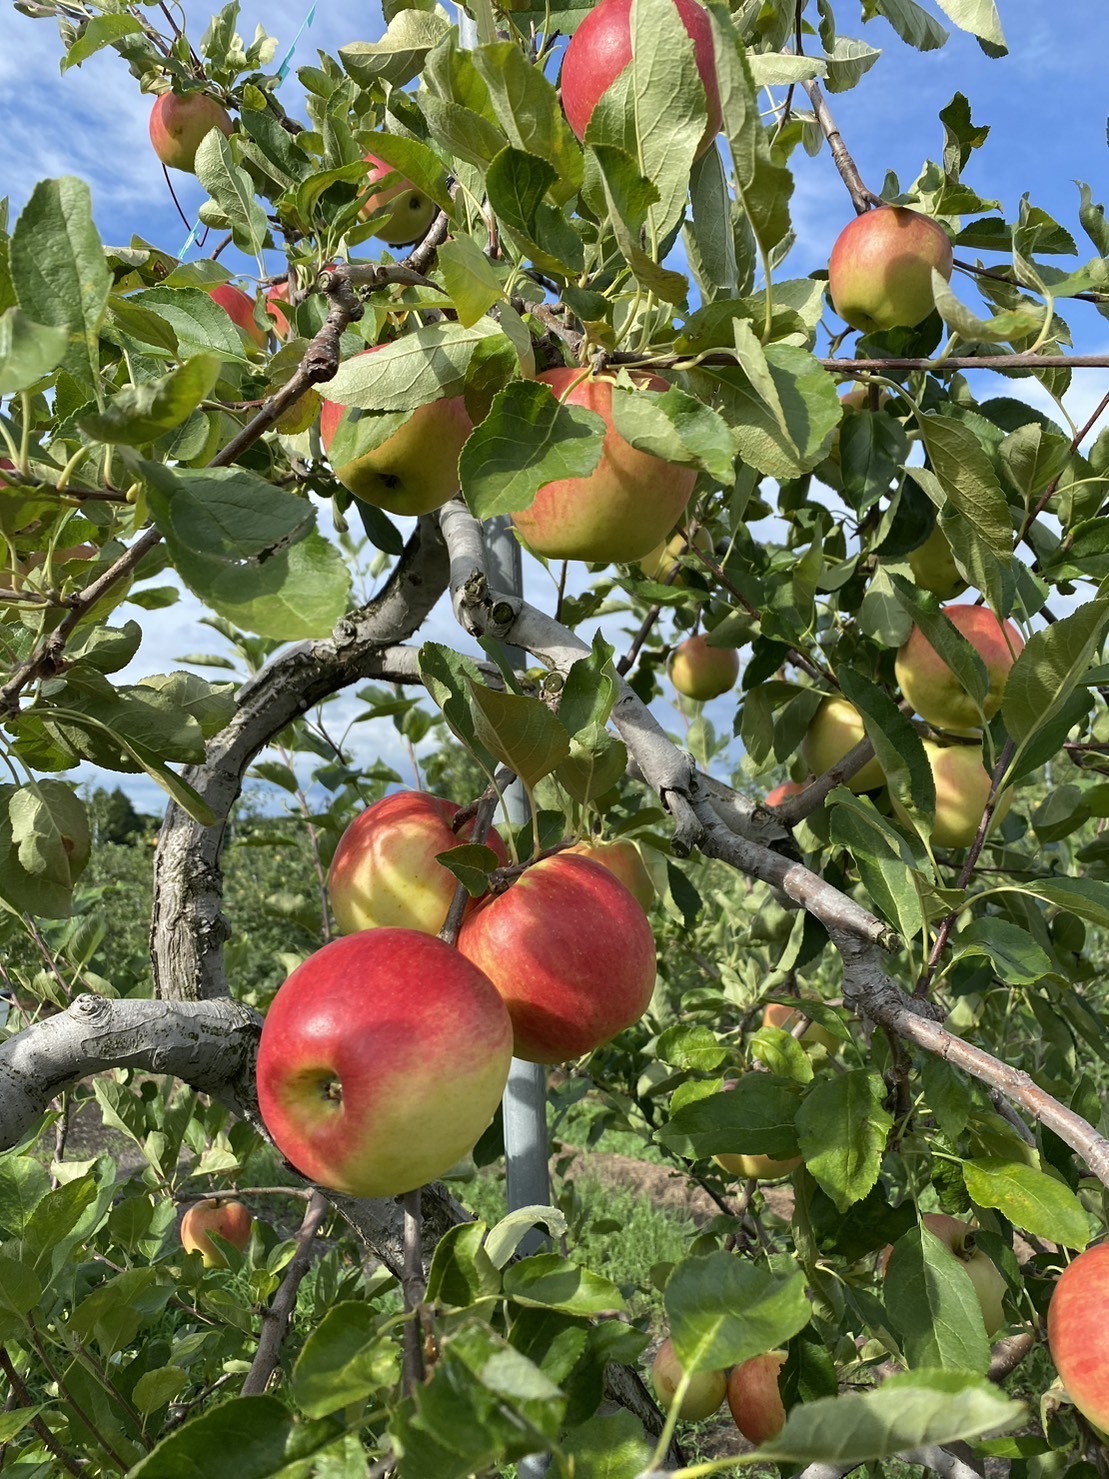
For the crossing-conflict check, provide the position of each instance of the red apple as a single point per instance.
(623, 860)
(229, 1220)
(628, 503)
(571, 953)
(777, 1014)
(836, 728)
(275, 296)
(755, 1398)
(416, 469)
(412, 213)
(178, 124)
(783, 792)
(962, 790)
(601, 48)
(933, 689)
(989, 1283)
(702, 672)
(934, 568)
(384, 871)
(240, 310)
(704, 1394)
(381, 1062)
(1078, 1332)
(880, 272)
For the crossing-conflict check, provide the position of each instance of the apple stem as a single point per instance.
(412, 1288)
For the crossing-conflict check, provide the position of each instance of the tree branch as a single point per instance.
(275, 1320)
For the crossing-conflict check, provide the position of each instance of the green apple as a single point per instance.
(701, 672)
(412, 211)
(836, 728)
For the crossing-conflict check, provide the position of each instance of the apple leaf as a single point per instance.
(549, 1281)
(1031, 1200)
(594, 765)
(896, 743)
(945, 639)
(628, 196)
(786, 435)
(913, 1409)
(933, 1306)
(399, 56)
(1013, 953)
(967, 476)
(423, 366)
(188, 316)
(723, 1310)
(608, 1446)
(50, 828)
(518, 184)
(590, 690)
(711, 239)
(911, 22)
(233, 192)
(471, 864)
(462, 1272)
(979, 17)
(469, 277)
(255, 1429)
(842, 1129)
(141, 413)
(344, 1359)
(520, 732)
(418, 164)
(754, 1118)
(528, 439)
(527, 108)
(514, 1227)
(677, 428)
(448, 678)
(1051, 666)
(27, 350)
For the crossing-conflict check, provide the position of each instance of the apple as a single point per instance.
(933, 689)
(777, 1014)
(934, 568)
(629, 502)
(704, 1394)
(783, 792)
(178, 124)
(229, 1220)
(623, 860)
(836, 728)
(880, 271)
(702, 672)
(757, 1167)
(989, 1283)
(412, 213)
(962, 790)
(384, 872)
(657, 564)
(381, 1062)
(570, 951)
(416, 469)
(601, 48)
(1078, 1332)
(274, 297)
(755, 1398)
(240, 310)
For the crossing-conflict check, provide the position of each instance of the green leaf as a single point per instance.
(520, 732)
(945, 640)
(911, 22)
(754, 1118)
(297, 592)
(187, 316)
(255, 1429)
(449, 678)
(399, 56)
(411, 371)
(23, 1184)
(629, 196)
(156, 1388)
(59, 273)
(691, 1047)
(50, 828)
(1012, 951)
(469, 278)
(606, 1447)
(791, 443)
(724, 1309)
(141, 413)
(529, 438)
(462, 1272)
(967, 476)
(231, 188)
(595, 764)
(417, 163)
(471, 864)
(20, 1289)
(896, 743)
(527, 108)
(100, 31)
(912, 1410)
(842, 1129)
(518, 184)
(979, 17)
(713, 238)
(28, 351)
(550, 1281)
(507, 1235)
(590, 689)
(344, 1359)
(1052, 664)
(677, 428)
(933, 1305)
(1030, 1199)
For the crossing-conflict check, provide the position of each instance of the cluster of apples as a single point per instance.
(935, 693)
(752, 1389)
(383, 1057)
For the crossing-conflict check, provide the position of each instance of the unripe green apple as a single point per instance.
(962, 790)
(705, 1392)
(178, 124)
(933, 689)
(625, 507)
(934, 568)
(240, 310)
(989, 1282)
(412, 213)
(1078, 1332)
(836, 728)
(384, 869)
(757, 1167)
(755, 1398)
(658, 563)
(880, 271)
(229, 1220)
(702, 672)
(623, 860)
(416, 469)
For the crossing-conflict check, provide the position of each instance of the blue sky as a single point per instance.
(1045, 104)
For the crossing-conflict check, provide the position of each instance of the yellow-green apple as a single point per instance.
(836, 728)
(229, 1220)
(754, 1167)
(625, 506)
(384, 872)
(783, 792)
(416, 469)
(777, 1014)
(989, 1283)
(601, 48)
(274, 297)
(412, 213)
(1078, 1332)
(178, 124)
(962, 790)
(659, 563)
(880, 271)
(622, 859)
(755, 1397)
(571, 953)
(381, 1062)
(703, 1395)
(933, 689)
(702, 672)
(934, 568)
(240, 310)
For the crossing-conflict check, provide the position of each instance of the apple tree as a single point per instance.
(539, 295)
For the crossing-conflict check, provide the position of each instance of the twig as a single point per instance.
(275, 1320)
(796, 808)
(861, 198)
(23, 1398)
(412, 1287)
